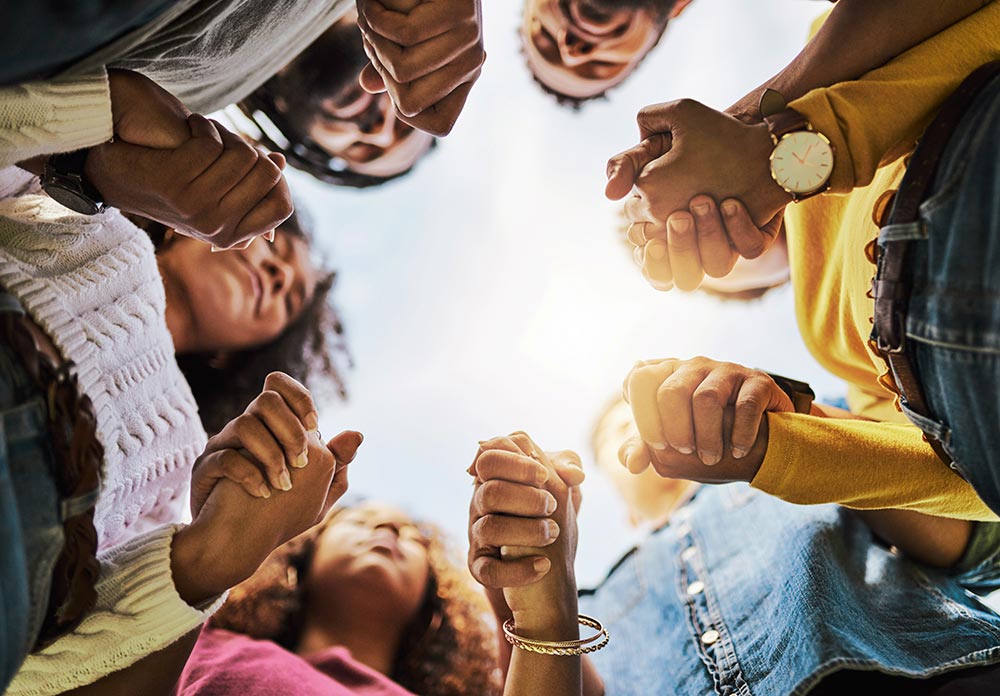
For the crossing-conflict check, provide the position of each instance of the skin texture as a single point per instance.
(583, 49)
(426, 55)
(367, 581)
(218, 302)
(522, 547)
(183, 170)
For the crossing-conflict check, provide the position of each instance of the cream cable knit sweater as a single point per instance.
(207, 53)
(92, 283)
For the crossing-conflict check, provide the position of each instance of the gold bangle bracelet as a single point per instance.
(560, 647)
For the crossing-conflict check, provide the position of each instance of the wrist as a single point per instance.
(768, 194)
(198, 573)
(555, 621)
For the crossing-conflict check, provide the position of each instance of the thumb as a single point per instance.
(569, 467)
(345, 445)
(370, 80)
(625, 167)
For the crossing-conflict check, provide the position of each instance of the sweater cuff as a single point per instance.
(40, 118)
(138, 612)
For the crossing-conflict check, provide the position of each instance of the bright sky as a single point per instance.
(490, 292)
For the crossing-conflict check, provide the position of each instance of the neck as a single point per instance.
(372, 641)
(178, 321)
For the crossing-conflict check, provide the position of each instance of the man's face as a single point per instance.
(582, 48)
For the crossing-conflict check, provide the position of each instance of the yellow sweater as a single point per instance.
(860, 464)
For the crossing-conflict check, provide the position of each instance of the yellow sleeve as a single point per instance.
(864, 465)
(877, 118)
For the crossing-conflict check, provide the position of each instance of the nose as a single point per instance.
(278, 274)
(379, 128)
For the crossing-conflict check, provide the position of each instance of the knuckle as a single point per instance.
(707, 397)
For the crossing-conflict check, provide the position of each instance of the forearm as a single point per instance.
(934, 541)
(858, 36)
(863, 465)
(154, 675)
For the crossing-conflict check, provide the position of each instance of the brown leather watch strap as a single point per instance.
(785, 122)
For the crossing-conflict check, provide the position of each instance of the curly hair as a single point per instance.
(449, 649)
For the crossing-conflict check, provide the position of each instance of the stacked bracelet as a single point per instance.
(560, 647)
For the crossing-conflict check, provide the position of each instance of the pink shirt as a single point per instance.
(224, 663)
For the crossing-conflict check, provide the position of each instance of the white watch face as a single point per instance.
(802, 162)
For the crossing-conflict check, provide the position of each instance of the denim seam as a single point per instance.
(943, 195)
(957, 607)
(727, 674)
(946, 344)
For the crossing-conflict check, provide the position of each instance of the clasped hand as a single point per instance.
(184, 170)
(426, 54)
(688, 158)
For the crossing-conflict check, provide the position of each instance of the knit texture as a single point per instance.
(138, 612)
(92, 284)
(37, 118)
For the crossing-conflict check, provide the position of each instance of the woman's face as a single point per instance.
(237, 300)
(363, 130)
(372, 548)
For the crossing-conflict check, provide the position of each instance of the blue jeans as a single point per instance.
(31, 535)
(953, 325)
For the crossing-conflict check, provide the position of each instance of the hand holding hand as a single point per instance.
(183, 170)
(258, 448)
(426, 53)
(700, 419)
(522, 530)
(232, 533)
(688, 155)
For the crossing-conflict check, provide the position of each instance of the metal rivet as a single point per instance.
(710, 636)
(696, 587)
(688, 553)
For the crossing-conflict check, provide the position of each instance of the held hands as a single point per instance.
(700, 419)
(183, 170)
(522, 530)
(232, 534)
(426, 53)
(688, 150)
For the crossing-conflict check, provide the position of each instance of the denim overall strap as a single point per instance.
(893, 281)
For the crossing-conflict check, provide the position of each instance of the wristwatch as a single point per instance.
(802, 159)
(800, 393)
(63, 179)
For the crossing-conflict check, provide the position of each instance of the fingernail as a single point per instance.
(541, 476)
(551, 529)
(729, 208)
(679, 225)
(656, 249)
(216, 249)
(270, 236)
(550, 505)
(658, 445)
(739, 453)
(637, 255)
(302, 459)
(660, 285)
(264, 490)
(701, 209)
(709, 458)
(684, 449)
(285, 481)
(311, 421)
(541, 565)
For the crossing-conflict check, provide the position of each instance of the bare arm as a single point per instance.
(154, 675)
(855, 39)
